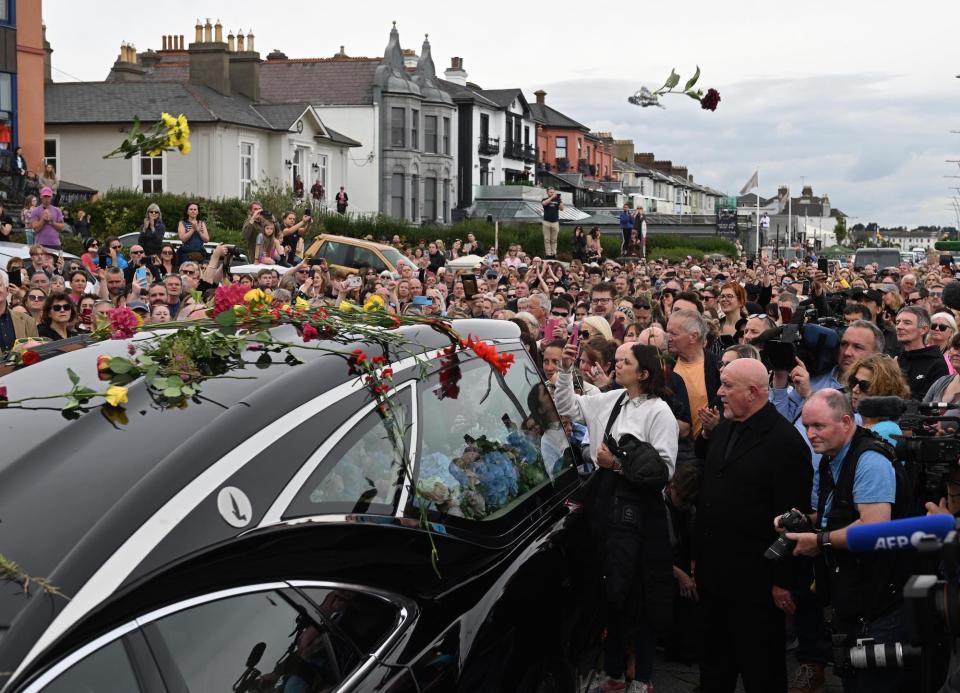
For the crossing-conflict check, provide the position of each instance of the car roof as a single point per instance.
(354, 241)
(73, 491)
(22, 250)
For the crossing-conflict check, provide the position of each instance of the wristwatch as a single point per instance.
(823, 540)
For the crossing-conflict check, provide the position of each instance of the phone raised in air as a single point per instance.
(469, 285)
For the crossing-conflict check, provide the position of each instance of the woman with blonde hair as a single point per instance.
(733, 303)
(877, 376)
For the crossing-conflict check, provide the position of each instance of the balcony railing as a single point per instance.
(529, 153)
(488, 145)
(513, 149)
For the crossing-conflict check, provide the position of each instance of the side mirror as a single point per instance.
(256, 654)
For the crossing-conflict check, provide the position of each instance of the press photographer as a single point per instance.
(858, 482)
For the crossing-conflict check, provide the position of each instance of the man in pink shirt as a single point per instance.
(47, 221)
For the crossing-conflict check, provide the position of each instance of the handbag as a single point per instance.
(639, 460)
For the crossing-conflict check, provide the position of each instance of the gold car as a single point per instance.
(350, 254)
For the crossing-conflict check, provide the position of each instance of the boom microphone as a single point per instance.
(889, 407)
(951, 295)
(898, 535)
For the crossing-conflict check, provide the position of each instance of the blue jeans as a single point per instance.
(886, 629)
(644, 651)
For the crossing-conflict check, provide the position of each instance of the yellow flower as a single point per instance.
(345, 306)
(116, 395)
(185, 148)
(302, 304)
(168, 120)
(183, 125)
(375, 302)
(254, 296)
(155, 152)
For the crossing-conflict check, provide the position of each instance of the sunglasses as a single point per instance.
(60, 307)
(585, 334)
(559, 314)
(94, 245)
(36, 298)
(863, 385)
(940, 327)
(136, 252)
(166, 252)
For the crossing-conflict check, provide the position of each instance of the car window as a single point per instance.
(367, 620)
(364, 257)
(362, 472)
(108, 670)
(264, 640)
(491, 446)
(335, 252)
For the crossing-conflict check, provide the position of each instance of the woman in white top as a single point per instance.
(631, 534)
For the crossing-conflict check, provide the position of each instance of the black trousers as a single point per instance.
(741, 639)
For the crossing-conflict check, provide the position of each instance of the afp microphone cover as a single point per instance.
(898, 535)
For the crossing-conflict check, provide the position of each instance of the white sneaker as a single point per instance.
(640, 687)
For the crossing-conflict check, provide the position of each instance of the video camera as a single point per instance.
(811, 338)
(930, 454)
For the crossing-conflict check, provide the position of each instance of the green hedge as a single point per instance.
(122, 211)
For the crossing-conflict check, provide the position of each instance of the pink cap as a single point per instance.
(46, 192)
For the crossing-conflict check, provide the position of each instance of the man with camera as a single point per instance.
(253, 228)
(552, 206)
(858, 482)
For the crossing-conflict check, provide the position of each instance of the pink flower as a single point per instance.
(131, 349)
(226, 297)
(123, 322)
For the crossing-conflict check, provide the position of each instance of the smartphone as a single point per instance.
(306, 212)
(15, 278)
(786, 314)
(575, 335)
(354, 281)
(806, 287)
(549, 325)
(85, 316)
(823, 264)
(750, 263)
(469, 285)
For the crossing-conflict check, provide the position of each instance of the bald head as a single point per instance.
(743, 389)
(654, 336)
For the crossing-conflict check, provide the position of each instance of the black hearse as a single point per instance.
(258, 539)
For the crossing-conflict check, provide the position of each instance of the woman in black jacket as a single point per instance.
(58, 317)
(152, 232)
(579, 244)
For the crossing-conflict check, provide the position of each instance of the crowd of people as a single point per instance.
(699, 431)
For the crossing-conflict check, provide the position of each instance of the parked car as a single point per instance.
(350, 254)
(884, 257)
(128, 240)
(263, 538)
(10, 250)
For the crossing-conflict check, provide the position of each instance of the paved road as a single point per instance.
(674, 677)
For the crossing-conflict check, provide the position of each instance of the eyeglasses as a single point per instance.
(34, 297)
(597, 301)
(940, 327)
(862, 385)
(707, 297)
(60, 307)
(94, 245)
(188, 272)
(728, 297)
(585, 334)
(166, 252)
(136, 252)
(154, 211)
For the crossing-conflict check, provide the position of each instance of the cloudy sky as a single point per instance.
(856, 98)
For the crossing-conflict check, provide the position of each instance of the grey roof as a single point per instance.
(461, 93)
(340, 138)
(750, 200)
(545, 115)
(505, 97)
(120, 102)
(321, 81)
(282, 116)
(520, 211)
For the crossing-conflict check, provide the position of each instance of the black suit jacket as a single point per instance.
(766, 473)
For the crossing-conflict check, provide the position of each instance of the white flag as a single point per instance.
(753, 183)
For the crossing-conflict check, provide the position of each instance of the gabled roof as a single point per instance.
(320, 81)
(339, 138)
(505, 97)
(283, 116)
(545, 115)
(750, 200)
(120, 102)
(462, 94)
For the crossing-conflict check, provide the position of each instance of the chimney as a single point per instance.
(276, 54)
(807, 191)
(231, 46)
(455, 73)
(218, 32)
(245, 69)
(47, 62)
(163, 43)
(199, 29)
(342, 53)
(644, 159)
(149, 59)
(210, 62)
(541, 97)
(126, 68)
(180, 42)
(410, 59)
(623, 150)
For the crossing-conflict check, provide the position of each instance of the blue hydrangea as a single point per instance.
(498, 479)
(438, 467)
(525, 450)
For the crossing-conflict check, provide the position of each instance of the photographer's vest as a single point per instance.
(859, 585)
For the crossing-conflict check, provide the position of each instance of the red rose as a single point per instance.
(710, 100)
(310, 332)
(29, 358)
(103, 363)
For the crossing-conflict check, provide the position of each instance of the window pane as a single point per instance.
(210, 644)
(430, 133)
(430, 198)
(367, 258)
(145, 165)
(158, 186)
(158, 165)
(397, 126)
(414, 202)
(335, 253)
(365, 619)
(362, 473)
(107, 670)
(6, 86)
(488, 448)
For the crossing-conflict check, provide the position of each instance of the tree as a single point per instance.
(840, 230)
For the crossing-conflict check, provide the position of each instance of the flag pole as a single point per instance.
(758, 212)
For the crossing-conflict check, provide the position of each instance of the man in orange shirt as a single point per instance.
(686, 337)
